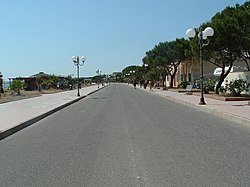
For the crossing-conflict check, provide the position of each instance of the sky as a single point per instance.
(43, 35)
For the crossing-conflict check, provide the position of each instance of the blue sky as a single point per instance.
(43, 35)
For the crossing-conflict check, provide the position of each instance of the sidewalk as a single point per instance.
(17, 115)
(236, 111)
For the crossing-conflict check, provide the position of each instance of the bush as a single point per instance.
(208, 85)
(222, 89)
(237, 86)
(16, 86)
(183, 84)
(197, 84)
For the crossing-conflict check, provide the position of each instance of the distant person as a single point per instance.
(141, 83)
(145, 84)
(134, 85)
(151, 85)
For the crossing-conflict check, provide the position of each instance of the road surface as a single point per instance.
(121, 136)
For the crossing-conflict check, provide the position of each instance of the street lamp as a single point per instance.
(1, 84)
(132, 73)
(78, 63)
(202, 35)
(98, 72)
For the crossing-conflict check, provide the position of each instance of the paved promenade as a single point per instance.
(236, 111)
(20, 114)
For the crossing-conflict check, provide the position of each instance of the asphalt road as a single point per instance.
(121, 136)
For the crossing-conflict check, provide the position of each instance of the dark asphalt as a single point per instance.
(121, 136)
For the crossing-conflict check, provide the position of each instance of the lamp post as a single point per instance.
(132, 74)
(78, 63)
(98, 72)
(202, 35)
(1, 84)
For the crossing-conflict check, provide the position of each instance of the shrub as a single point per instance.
(16, 86)
(208, 85)
(222, 89)
(237, 86)
(183, 84)
(197, 84)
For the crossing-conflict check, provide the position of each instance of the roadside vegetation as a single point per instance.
(229, 45)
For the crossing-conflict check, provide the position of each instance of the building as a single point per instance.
(190, 71)
(34, 81)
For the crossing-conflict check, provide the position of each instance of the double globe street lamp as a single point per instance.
(78, 62)
(202, 35)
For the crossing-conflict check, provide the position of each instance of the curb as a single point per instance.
(23, 125)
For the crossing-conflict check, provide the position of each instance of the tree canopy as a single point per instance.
(167, 56)
(230, 43)
(231, 39)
